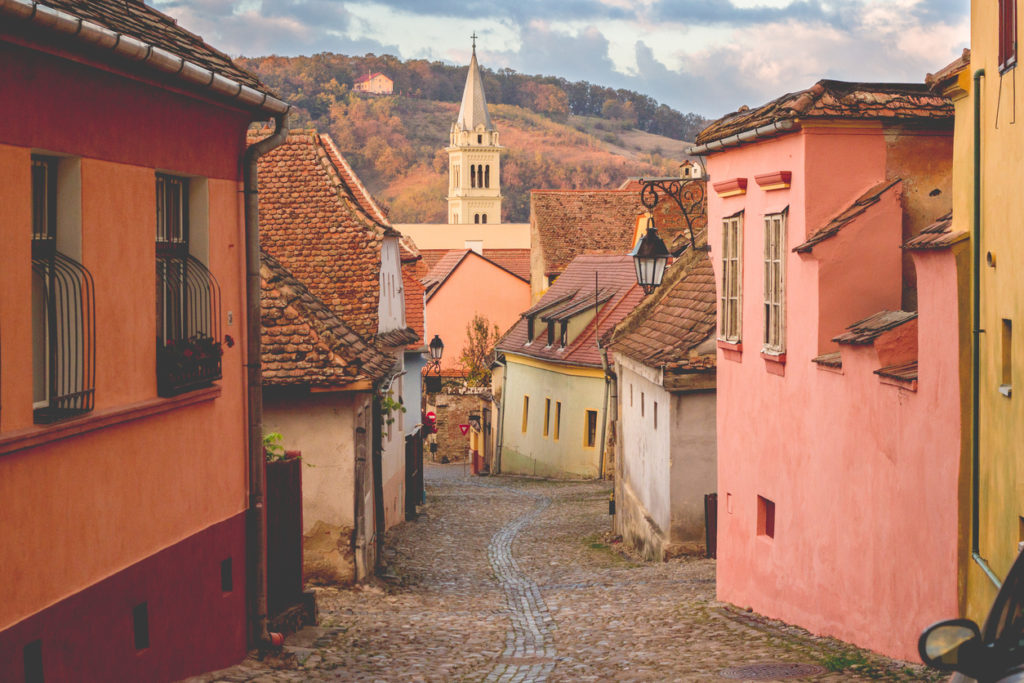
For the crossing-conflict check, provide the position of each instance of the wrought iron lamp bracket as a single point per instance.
(683, 192)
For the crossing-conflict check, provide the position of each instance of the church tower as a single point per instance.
(474, 156)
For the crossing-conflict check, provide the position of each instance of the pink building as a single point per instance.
(839, 412)
(463, 284)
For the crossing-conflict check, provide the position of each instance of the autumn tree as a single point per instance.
(478, 353)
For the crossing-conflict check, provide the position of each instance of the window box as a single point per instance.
(187, 364)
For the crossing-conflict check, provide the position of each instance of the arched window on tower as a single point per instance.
(487, 175)
(476, 218)
(479, 175)
(472, 176)
(483, 218)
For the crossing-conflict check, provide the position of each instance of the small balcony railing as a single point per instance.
(65, 334)
(189, 347)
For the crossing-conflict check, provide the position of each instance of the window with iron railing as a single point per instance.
(187, 298)
(63, 321)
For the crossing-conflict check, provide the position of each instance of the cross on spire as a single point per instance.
(474, 37)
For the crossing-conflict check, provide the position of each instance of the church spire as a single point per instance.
(473, 111)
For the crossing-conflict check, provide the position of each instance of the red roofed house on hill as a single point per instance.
(374, 84)
(320, 224)
(665, 441)
(554, 393)
(131, 468)
(839, 393)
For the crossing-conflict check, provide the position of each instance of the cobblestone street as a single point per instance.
(505, 579)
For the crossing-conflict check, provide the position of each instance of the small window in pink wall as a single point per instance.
(765, 517)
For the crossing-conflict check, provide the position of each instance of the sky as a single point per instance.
(703, 56)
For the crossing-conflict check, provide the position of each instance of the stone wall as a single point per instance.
(452, 410)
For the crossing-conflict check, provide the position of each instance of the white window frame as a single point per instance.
(774, 339)
(730, 310)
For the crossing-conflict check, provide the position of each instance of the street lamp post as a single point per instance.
(436, 348)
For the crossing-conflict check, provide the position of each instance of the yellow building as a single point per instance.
(987, 200)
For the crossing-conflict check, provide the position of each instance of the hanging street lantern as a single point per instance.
(436, 349)
(432, 382)
(650, 258)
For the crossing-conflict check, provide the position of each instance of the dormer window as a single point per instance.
(479, 139)
(530, 331)
(551, 334)
(563, 334)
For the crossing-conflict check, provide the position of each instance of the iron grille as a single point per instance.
(63, 325)
(68, 334)
(188, 311)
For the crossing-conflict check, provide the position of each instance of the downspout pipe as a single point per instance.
(254, 380)
(607, 388)
(976, 333)
(501, 413)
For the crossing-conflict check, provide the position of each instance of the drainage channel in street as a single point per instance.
(771, 671)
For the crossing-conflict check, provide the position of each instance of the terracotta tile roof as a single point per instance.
(446, 265)
(353, 186)
(398, 337)
(829, 360)
(905, 372)
(442, 268)
(945, 76)
(515, 261)
(869, 329)
(614, 272)
(304, 342)
(938, 235)
(829, 99)
(432, 256)
(848, 215)
(576, 305)
(140, 21)
(368, 77)
(666, 329)
(311, 223)
(567, 223)
(413, 270)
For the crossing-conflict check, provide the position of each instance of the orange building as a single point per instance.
(463, 284)
(124, 485)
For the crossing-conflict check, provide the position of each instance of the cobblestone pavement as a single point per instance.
(507, 580)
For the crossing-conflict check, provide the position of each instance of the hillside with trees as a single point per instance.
(558, 134)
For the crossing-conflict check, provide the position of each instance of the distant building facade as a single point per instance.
(374, 84)
(554, 394)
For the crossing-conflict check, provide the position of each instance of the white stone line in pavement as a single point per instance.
(529, 636)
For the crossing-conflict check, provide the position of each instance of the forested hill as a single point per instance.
(559, 134)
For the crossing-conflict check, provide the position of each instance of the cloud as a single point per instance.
(263, 27)
(523, 11)
(707, 56)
